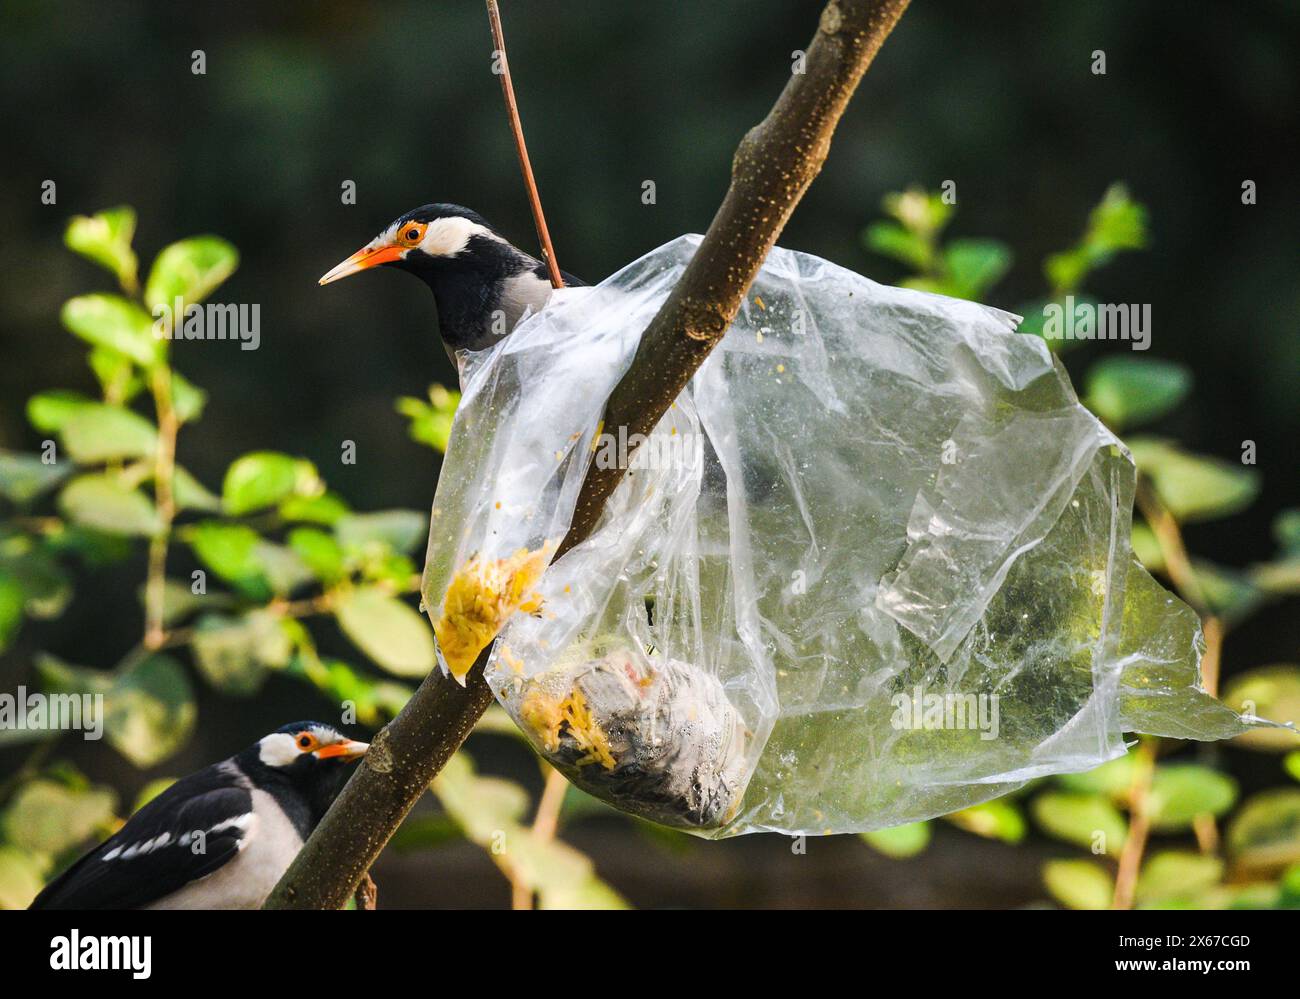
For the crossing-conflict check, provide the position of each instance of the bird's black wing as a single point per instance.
(187, 832)
(570, 281)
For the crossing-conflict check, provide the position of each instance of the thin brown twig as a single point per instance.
(547, 819)
(1178, 564)
(1139, 829)
(160, 384)
(517, 129)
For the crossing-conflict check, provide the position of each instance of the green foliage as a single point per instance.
(271, 556)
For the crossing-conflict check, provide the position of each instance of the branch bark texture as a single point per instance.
(773, 166)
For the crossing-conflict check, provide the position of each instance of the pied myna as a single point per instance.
(481, 283)
(217, 839)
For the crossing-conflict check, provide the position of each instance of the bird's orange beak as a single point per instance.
(347, 749)
(364, 259)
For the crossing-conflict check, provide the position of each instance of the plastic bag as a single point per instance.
(883, 574)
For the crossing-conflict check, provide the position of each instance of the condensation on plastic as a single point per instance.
(887, 499)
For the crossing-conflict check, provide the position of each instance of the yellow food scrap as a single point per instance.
(547, 717)
(544, 715)
(585, 732)
(482, 596)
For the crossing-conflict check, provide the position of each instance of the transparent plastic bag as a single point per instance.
(889, 576)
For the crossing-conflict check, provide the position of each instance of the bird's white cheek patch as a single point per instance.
(448, 237)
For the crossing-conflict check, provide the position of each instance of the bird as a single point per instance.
(219, 838)
(482, 284)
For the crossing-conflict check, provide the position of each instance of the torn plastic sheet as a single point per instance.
(873, 566)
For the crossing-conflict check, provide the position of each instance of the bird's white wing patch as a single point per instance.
(265, 852)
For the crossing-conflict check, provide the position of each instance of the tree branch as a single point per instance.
(773, 166)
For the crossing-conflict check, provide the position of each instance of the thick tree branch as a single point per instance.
(773, 166)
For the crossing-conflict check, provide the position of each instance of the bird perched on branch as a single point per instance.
(217, 839)
(481, 283)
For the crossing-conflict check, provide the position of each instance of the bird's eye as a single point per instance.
(412, 235)
(306, 741)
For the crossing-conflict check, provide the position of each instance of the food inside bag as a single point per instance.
(872, 567)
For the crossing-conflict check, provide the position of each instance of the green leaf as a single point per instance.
(1078, 884)
(1177, 874)
(890, 239)
(1286, 529)
(190, 269)
(259, 480)
(386, 630)
(920, 211)
(48, 817)
(1191, 486)
(191, 494)
(1117, 223)
(45, 584)
(151, 791)
(320, 552)
(105, 238)
(235, 653)
(1127, 391)
(150, 711)
(490, 810)
(999, 819)
(12, 600)
(239, 555)
(22, 875)
(49, 411)
(326, 509)
(975, 265)
(398, 530)
(1147, 548)
(1271, 692)
(115, 373)
(1182, 791)
(431, 421)
(100, 432)
(1264, 836)
(375, 701)
(102, 503)
(1292, 763)
(25, 477)
(1230, 594)
(114, 322)
(899, 842)
(281, 567)
(229, 550)
(1113, 779)
(180, 600)
(188, 399)
(1085, 820)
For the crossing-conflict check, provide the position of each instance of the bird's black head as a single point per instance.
(480, 282)
(307, 756)
(429, 240)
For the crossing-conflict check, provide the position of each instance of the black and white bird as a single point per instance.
(217, 839)
(481, 283)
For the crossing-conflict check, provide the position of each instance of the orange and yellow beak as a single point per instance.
(364, 259)
(345, 749)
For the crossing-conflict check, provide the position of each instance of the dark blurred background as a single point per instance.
(399, 97)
